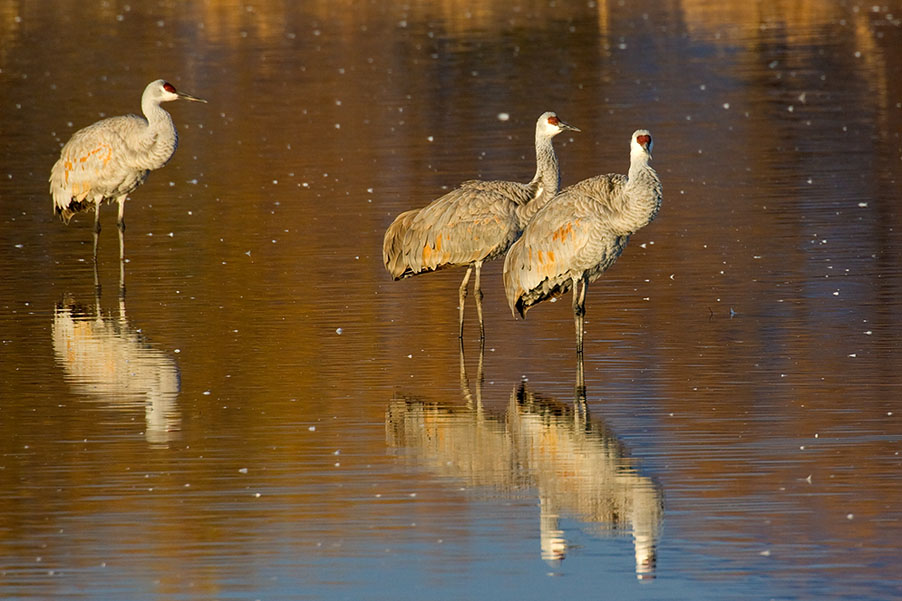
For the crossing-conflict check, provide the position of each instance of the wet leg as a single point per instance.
(579, 311)
(477, 292)
(120, 221)
(96, 228)
(462, 297)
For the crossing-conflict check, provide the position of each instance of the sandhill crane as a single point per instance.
(473, 223)
(577, 235)
(110, 158)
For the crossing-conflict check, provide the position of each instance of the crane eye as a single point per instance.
(169, 87)
(553, 120)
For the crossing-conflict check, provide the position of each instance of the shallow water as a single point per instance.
(264, 414)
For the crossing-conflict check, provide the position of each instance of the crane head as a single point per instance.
(549, 124)
(642, 142)
(163, 91)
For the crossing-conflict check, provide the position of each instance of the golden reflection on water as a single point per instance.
(575, 464)
(106, 360)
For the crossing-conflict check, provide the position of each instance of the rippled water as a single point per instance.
(262, 413)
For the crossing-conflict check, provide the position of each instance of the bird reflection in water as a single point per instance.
(576, 465)
(104, 358)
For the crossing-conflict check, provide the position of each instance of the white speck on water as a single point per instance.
(853, 355)
(311, 428)
(765, 553)
(836, 293)
(257, 495)
(206, 393)
(410, 356)
(20, 246)
(430, 138)
(248, 253)
(503, 116)
(171, 234)
(850, 516)
(177, 351)
(243, 470)
(726, 105)
(338, 331)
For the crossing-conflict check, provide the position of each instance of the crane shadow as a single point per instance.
(575, 464)
(105, 359)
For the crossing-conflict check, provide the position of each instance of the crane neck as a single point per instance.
(548, 174)
(546, 182)
(641, 197)
(157, 143)
(155, 114)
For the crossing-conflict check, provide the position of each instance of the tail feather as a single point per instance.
(393, 253)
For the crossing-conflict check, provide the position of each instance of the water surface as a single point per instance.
(264, 414)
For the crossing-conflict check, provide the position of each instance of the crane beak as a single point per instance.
(185, 96)
(563, 125)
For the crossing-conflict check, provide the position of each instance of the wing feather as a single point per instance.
(97, 163)
(474, 222)
(566, 239)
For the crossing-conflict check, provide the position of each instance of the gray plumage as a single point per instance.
(111, 158)
(579, 234)
(473, 223)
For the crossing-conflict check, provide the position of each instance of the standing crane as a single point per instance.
(577, 235)
(108, 160)
(473, 223)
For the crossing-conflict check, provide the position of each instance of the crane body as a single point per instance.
(474, 223)
(580, 233)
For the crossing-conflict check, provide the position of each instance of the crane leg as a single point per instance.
(477, 293)
(96, 228)
(120, 221)
(579, 311)
(462, 297)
